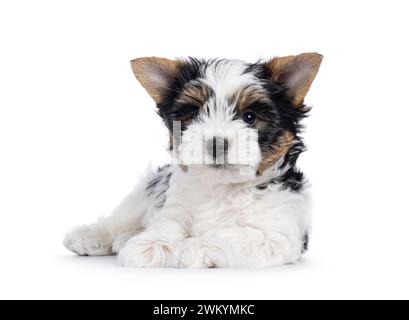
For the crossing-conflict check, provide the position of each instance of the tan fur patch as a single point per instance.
(277, 151)
(245, 97)
(195, 95)
(154, 73)
(281, 67)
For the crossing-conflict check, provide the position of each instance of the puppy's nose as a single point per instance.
(217, 147)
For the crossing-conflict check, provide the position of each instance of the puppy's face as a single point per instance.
(229, 115)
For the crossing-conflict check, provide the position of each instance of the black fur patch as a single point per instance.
(305, 243)
(158, 186)
(168, 109)
(288, 118)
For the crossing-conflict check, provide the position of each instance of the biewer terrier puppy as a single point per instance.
(232, 195)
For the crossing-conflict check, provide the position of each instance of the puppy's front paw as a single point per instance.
(194, 253)
(89, 241)
(146, 250)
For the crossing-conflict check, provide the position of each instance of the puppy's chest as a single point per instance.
(217, 206)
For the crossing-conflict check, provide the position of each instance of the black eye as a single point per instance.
(249, 117)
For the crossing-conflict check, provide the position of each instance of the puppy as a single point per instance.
(232, 195)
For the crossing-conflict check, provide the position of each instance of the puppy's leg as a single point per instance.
(263, 237)
(108, 235)
(239, 247)
(154, 246)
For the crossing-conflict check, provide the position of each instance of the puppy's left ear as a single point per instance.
(155, 75)
(296, 73)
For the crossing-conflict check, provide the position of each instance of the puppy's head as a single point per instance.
(229, 115)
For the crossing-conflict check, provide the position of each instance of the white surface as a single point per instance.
(76, 128)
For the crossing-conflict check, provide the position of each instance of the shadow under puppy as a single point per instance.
(232, 196)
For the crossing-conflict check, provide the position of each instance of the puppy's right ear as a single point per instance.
(155, 74)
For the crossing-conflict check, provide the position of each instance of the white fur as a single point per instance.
(205, 217)
(204, 223)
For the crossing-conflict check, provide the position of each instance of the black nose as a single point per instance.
(217, 147)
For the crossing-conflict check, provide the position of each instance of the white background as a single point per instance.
(76, 129)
